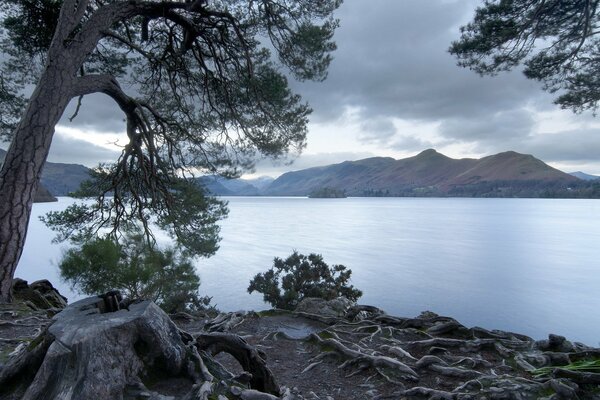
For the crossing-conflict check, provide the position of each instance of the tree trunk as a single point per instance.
(21, 171)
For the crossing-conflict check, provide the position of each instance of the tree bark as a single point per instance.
(21, 171)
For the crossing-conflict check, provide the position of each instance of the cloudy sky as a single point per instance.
(393, 90)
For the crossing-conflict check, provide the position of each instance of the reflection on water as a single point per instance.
(527, 265)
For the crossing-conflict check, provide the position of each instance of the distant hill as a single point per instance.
(43, 196)
(430, 173)
(60, 179)
(220, 186)
(584, 176)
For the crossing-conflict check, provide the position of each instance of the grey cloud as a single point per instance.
(568, 146)
(392, 63)
(392, 60)
(69, 150)
(97, 112)
(376, 130)
(498, 126)
(413, 143)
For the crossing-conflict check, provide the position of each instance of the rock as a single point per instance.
(19, 284)
(40, 295)
(94, 350)
(94, 355)
(327, 308)
(362, 312)
(446, 328)
(45, 288)
(427, 315)
(555, 343)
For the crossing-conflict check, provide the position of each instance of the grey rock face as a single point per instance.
(40, 294)
(96, 356)
(91, 351)
(327, 308)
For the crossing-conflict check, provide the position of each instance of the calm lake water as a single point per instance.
(527, 265)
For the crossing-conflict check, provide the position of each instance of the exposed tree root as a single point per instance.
(249, 358)
(429, 393)
(577, 376)
(225, 322)
(378, 362)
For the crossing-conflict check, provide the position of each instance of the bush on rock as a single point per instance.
(299, 276)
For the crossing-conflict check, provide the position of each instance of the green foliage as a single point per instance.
(299, 276)
(11, 106)
(136, 268)
(556, 40)
(22, 15)
(186, 213)
(210, 94)
(581, 365)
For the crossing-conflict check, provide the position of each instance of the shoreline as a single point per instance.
(339, 350)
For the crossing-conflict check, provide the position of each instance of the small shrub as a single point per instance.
(299, 276)
(136, 268)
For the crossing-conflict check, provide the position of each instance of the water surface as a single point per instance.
(526, 265)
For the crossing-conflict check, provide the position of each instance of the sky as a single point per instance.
(393, 90)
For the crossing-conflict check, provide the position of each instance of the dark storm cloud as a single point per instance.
(377, 130)
(97, 112)
(66, 149)
(392, 61)
(495, 127)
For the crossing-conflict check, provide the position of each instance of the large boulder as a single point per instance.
(40, 294)
(89, 354)
(94, 349)
(325, 308)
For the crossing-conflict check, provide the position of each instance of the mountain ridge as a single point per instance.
(584, 176)
(428, 173)
(59, 179)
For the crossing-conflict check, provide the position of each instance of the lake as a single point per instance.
(527, 265)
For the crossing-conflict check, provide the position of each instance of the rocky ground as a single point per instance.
(359, 352)
(337, 350)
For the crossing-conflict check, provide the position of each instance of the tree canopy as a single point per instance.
(203, 86)
(137, 269)
(556, 40)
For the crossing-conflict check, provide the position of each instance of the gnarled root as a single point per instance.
(378, 362)
(21, 369)
(249, 358)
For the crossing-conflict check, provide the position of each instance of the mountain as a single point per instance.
(584, 176)
(261, 183)
(60, 179)
(43, 196)
(220, 186)
(430, 173)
